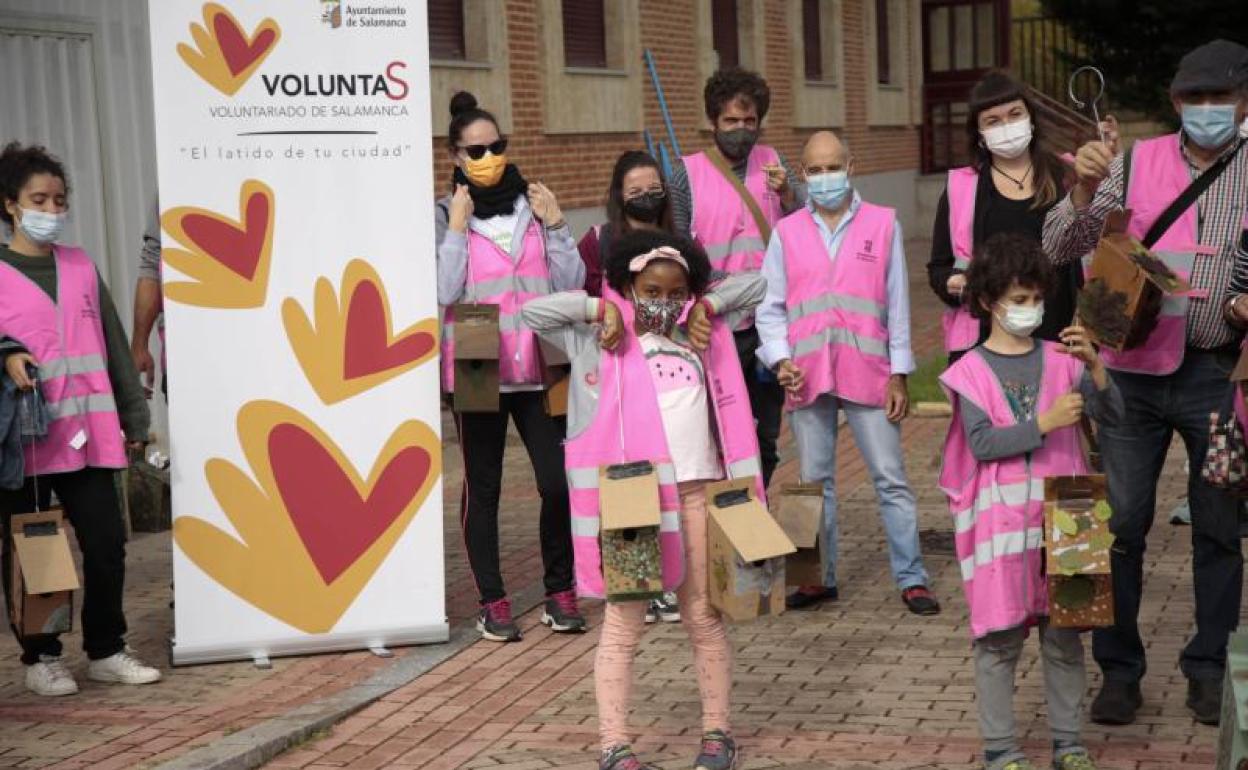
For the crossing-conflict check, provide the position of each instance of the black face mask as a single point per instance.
(737, 143)
(647, 207)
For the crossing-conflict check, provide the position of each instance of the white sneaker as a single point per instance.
(123, 668)
(49, 677)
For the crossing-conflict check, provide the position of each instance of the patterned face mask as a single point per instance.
(658, 316)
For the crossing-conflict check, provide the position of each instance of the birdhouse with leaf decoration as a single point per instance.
(1077, 551)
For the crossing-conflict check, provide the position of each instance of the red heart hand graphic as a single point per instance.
(335, 521)
(239, 249)
(367, 348)
(238, 52)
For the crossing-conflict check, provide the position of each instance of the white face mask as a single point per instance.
(1009, 140)
(1021, 320)
(42, 227)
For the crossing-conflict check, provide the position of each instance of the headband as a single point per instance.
(640, 261)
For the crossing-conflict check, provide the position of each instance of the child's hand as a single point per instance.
(1066, 411)
(1076, 342)
(790, 376)
(699, 326)
(612, 327)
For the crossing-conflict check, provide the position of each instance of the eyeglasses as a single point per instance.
(477, 151)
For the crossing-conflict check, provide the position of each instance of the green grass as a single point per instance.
(923, 384)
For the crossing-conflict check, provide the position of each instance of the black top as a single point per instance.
(995, 213)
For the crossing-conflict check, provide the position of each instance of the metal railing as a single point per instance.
(1043, 53)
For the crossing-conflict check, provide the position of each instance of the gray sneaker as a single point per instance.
(719, 752)
(621, 758)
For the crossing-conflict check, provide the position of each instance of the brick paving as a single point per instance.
(860, 683)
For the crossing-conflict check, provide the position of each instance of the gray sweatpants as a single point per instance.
(1065, 680)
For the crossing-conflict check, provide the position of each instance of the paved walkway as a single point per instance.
(860, 683)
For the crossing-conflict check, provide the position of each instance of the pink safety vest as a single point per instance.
(960, 327)
(838, 312)
(1159, 174)
(720, 221)
(495, 279)
(66, 337)
(998, 507)
(628, 414)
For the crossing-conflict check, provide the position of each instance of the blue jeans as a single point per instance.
(1134, 453)
(879, 440)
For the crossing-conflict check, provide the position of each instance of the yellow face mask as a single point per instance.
(487, 171)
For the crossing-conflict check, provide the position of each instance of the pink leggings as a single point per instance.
(624, 624)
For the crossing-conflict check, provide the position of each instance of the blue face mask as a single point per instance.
(1210, 125)
(828, 190)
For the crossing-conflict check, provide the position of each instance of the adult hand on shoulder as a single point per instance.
(1066, 411)
(544, 205)
(790, 376)
(699, 326)
(612, 327)
(897, 404)
(461, 209)
(956, 284)
(15, 366)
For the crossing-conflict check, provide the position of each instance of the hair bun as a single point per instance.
(462, 102)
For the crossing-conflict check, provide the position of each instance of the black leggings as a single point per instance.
(90, 502)
(482, 438)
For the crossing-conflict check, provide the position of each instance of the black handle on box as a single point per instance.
(39, 529)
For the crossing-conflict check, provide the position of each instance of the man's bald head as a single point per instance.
(825, 151)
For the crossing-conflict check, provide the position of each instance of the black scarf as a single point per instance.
(499, 200)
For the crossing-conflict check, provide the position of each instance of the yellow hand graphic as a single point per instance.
(225, 56)
(311, 531)
(350, 347)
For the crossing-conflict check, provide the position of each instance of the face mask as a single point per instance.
(487, 171)
(646, 208)
(1008, 140)
(42, 227)
(828, 190)
(1209, 125)
(658, 316)
(737, 143)
(1021, 320)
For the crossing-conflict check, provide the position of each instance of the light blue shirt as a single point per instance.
(772, 318)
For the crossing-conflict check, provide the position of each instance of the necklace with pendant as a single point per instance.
(1019, 181)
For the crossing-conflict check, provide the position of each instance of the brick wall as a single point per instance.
(578, 167)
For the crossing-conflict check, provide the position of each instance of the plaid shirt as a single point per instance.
(1070, 234)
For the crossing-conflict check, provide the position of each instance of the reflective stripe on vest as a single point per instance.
(961, 329)
(66, 337)
(720, 221)
(838, 308)
(1159, 174)
(494, 278)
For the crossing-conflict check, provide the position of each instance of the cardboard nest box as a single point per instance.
(745, 554)
(628, 538)
(476, 339)
(1077, 541)
(43, 578)
(557, 372)
(1126, 286)
(800, 515)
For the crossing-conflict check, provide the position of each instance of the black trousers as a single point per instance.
(766, 401)
(1134, 453)
(482, 438)
(90, 502)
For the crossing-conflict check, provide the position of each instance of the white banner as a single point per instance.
(293, 141)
